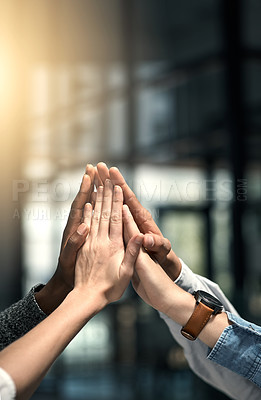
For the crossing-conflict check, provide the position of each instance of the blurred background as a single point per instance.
(170, 92)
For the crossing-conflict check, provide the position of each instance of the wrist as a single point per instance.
(88, 301)
(52, 294)
(180, 305)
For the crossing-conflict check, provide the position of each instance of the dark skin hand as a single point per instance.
(74, 235)
(155, 243)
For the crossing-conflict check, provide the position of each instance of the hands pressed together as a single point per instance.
(103, 266)
(109, 240)
(114, 231)
(100, 225)
(103, 249)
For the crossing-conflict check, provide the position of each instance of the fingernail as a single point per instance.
(117, 189)
(82, 229)
(88, 206)
(150, 241)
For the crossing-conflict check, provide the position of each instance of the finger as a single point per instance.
(103, 171)
(81, 198)
(131, 254)
(106, 209)
(87, 214)
(86, 188)
(90, 170)
(141, 216)
(75, 241)
(97, 180)
(76, 211)
(116, 214)
(157, 246)
(156, 243)
(97, 212)
(130, 227)
(93, 199)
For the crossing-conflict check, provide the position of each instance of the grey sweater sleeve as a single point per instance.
(20, 318)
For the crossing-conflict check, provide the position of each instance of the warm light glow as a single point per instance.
(6, 78)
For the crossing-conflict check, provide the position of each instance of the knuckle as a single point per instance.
(75, 204)
(106, 197)
(143, 212)
(96, 215)
(106, 215)
(75, 213)
(116, 218)
(132, 251)
(131, 199)
(166, 244)
(72, 241)
(117, 198)
(145, 216)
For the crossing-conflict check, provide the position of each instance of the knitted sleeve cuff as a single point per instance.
(20, 318)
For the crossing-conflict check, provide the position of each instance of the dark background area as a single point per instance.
(164, 89)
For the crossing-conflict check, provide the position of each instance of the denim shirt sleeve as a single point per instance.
(227, 381)
(239, 349)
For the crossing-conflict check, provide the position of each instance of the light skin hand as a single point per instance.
(156, 288)
(54, 292)
(151, 283)
(105, 245)
(103, 271)
(157, 246)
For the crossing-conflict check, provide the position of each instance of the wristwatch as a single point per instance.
(206, 306)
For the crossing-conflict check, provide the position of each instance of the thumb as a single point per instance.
(75, 241)
(130, 227)
(158, 245)
(131, 254)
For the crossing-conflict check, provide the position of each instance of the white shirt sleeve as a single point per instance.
(196, 352)
(7, 386)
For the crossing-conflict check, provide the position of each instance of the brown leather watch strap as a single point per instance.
(197, 321)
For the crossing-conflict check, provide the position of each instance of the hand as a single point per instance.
(77, 207)
(103, 268)
(157, 246)
(54, 292)
(151, 283)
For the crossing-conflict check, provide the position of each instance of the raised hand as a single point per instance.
(102, 272)
(103, 267)
(74, 235)
(158, 246)
(151, 283)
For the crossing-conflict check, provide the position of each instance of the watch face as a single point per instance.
(208, 300)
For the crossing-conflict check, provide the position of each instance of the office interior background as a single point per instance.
(170, 92)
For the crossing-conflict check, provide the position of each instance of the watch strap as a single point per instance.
(197, 321)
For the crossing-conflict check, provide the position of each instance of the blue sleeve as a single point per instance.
(239, 349)
(198, 354)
